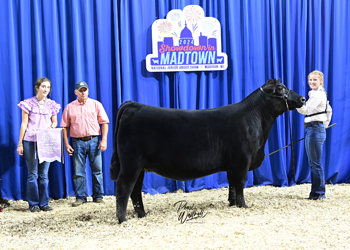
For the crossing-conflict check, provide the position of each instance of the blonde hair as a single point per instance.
(319, 74)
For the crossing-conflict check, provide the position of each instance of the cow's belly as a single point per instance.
(183, 172)
(257, 160)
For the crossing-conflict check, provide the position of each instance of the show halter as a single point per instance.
(285, 98)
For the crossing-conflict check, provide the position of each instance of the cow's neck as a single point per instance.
(263, 109)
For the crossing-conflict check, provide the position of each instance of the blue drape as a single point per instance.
(105, 43)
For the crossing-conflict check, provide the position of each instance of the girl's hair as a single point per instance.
(39, 81)
(319, 74)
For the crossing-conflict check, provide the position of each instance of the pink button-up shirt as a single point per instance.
(84, 119)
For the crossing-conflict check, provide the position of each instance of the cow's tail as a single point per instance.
(114, 168)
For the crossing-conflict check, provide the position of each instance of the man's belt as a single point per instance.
(86, 138)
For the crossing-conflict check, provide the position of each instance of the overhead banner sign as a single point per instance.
(186, 41)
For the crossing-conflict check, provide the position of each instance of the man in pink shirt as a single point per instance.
(82, 118)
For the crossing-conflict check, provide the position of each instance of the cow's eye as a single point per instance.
(281, 89)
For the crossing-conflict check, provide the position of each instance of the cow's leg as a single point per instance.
(121, 200)
(236, 187)
(240, 202)
(136, 196)
(124, 186)
(231, 190)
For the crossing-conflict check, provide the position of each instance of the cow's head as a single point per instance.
(286, 97)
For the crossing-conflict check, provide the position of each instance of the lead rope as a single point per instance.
(291, 141)
(62, 149)
(35, 146)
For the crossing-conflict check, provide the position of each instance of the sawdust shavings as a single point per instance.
(276, 218)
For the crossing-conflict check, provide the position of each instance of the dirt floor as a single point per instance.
(277, 218)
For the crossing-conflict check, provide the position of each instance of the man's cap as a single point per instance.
(80, 85)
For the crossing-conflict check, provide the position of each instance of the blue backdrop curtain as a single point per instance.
(105, 43)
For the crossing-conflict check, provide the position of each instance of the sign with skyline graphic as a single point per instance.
(186, 41)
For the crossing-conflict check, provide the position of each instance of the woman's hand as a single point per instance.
(20, 149)
(24, 124)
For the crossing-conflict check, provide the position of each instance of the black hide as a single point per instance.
(189, 144)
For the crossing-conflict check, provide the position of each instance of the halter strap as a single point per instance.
(284, 97)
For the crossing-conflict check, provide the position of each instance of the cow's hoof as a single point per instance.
(121, 220)
(242, 206)
(141, 215)
(232, 203)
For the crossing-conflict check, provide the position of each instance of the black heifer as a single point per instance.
(189, 144)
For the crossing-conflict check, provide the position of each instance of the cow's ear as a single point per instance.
(270, 81)
(269, 85)
(278, 81)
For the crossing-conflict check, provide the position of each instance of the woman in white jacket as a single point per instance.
(318, 115)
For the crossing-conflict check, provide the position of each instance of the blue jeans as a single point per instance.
(315, 136)
(38, 180)
(83, 149)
